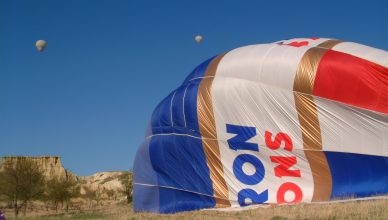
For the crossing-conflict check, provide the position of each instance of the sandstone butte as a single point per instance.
(52, 168)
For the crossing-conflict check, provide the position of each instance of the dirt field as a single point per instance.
(375, 209)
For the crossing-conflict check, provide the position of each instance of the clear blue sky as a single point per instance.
(89, 96)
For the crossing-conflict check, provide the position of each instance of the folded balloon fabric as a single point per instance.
(299, 120)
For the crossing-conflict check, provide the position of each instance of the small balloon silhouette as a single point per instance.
(40, 45)
(198, 39)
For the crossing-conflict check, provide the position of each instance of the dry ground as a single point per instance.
(374, 209)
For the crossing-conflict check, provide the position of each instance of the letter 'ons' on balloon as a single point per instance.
(299, 120)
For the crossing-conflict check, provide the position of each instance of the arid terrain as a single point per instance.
(375, 209)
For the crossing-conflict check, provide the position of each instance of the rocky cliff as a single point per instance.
(51, 165)
(103, 180)
(103, 183)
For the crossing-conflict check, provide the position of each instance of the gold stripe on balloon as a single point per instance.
(208, 131)
(309, 121)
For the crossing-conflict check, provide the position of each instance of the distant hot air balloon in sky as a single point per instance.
(301, 120)
(40, 45)
(198, 39)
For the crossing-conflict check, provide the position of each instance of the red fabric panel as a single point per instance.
(352, 80)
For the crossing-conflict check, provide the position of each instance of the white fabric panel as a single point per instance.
(348, 129)
(268, 109)
(270, 64)
(259, 94)
(270, 182)
(368, 53)
(255, 105)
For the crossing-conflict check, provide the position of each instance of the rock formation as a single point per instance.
(51, 165)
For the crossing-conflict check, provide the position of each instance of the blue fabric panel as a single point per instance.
(161, 117)
(178, 117)
(178, 201)
(190, 103)
(146, 198)
(357, 175)
(191, 106)
(177, 161)
(199, 71)
(180, 163)
(184, 110)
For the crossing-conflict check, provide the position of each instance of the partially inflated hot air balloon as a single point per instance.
(300, 120)
(41, 45)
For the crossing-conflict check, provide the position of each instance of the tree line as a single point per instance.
(23, 181)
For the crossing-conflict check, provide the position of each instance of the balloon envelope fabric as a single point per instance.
(299, 120)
